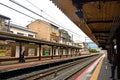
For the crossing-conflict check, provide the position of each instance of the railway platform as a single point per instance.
(103, 70)
(12, 66)
(6, 67)
(9, 70)
(99, 70)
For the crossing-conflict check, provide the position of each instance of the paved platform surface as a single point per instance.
(4, 68)
(105, 71)
(88, 72)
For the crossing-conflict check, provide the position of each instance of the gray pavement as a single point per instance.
(105, 72)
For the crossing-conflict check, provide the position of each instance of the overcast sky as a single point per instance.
(46, 9)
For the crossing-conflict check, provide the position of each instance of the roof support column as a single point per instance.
(52, 52)
(77, 52)
(60, 53)
(112, 47)
(108, 52)
(71, 52)
(66, 51)
(39, 51)
(118, 54)
(20, 51)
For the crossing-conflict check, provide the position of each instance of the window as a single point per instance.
(11, 32)
(20, 33)
(54, 30)
(46, 51)
(30, 35)
(5, 51)
(31, 52)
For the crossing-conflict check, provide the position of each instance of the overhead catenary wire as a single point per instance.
(33, 12)
(18, 11)
(49, 16)
(40, 9)
(39, 15)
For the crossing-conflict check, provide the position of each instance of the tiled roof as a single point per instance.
(2, 16)
(20, 27)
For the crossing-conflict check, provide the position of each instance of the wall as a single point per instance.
(22, 31)
(42, 29)
(2, 25)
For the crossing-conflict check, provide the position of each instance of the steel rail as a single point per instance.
(55, 70)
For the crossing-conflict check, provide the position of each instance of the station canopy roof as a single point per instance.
(99, 19)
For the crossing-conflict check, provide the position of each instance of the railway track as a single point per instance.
(60, 72)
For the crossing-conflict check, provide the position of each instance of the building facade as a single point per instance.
(86, 46)
(64, 37)
(4, 47)
(3, 21)
(29, 48)
(45, 30)
(10, 48)
(23, 31)
(38, 29)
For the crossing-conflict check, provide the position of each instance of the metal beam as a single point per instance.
(101, 36)
(100, 21)
(101, 32)
(102, 43)
(101, 40)
(86, 1)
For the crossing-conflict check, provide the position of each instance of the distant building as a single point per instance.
(45, 30)
(23, 31)
(64, 37)
(11, 47)
(86, 46)
(54, 36)
(5, 49)
(3, 21)
(79, 43)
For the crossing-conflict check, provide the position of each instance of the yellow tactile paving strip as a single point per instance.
(97, 70)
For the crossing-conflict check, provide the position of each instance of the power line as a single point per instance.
(41, 10)
(33, 11)
(38, 14)
(28, 15)
(50, 17)
(17, 11)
